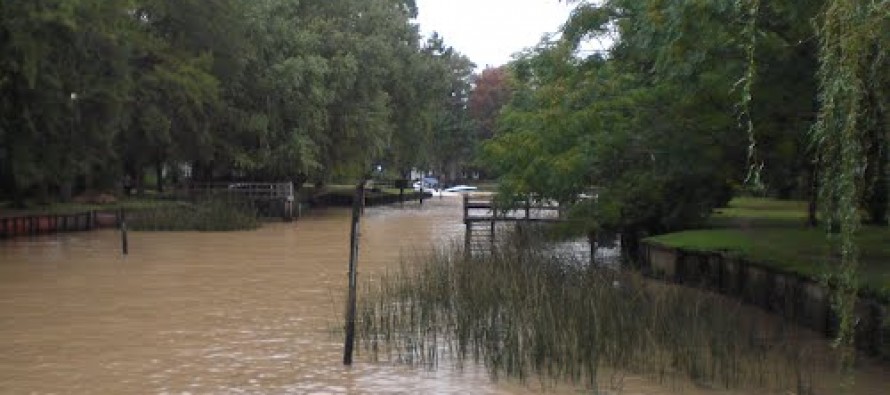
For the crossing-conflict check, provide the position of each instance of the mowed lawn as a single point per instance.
(774, 233)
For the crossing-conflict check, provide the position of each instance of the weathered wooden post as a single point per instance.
(402, 184)
(125, 247)
(353, 263)
(422, 192)
(469, 232)
(494, 216)
(528, 207)
(289, 201)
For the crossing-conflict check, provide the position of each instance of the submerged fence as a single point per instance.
(269, 199)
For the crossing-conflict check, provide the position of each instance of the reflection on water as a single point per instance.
(243, 312)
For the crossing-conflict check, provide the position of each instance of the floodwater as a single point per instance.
(245, 312)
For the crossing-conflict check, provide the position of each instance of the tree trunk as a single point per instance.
(159, 169)
(140, 182)
(630, 246)
(66, 190)
(878, 198)
(813, 193)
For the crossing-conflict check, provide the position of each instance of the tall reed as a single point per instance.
(524, 312)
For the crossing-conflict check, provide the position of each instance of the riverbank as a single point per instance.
(212, 214)
(761, 251)
(175, 214)
(128, 204)
(529, 312)
(343, 195)
(73, 217)
(774, 234)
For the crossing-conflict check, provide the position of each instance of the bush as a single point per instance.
(214, 214)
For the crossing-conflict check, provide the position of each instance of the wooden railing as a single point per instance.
(249, 190)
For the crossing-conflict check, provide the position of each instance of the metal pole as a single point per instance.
(353, 262)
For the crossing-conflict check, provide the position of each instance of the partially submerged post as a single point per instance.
(124, 242)
(468, 235)
(353, 261)
(402, 184)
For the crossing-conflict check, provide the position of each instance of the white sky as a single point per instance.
(490, 31)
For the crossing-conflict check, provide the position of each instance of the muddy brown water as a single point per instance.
(243, 312)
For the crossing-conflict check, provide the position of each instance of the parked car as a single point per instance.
(461, 188)
(428, 183)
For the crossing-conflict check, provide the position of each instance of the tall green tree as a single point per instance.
(65, 80)
(454, 140)
(93, 90)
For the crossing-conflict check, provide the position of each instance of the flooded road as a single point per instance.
(244, 312)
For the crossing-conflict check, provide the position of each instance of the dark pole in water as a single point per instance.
(124, 242)
(353, 262)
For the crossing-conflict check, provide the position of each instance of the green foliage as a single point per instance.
(852, 75)
(454, 138)
(209, 215)
(651, 127)
(92, 90)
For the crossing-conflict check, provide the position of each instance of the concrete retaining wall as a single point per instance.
(800, 299)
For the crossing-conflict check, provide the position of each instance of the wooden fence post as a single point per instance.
(125, 247)
(357, 206)
(468, 235)
(528, 207)
(494, 216)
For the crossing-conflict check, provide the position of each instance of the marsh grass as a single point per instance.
(525, 313)
(218, 213)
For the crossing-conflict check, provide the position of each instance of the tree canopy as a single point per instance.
(94, 90)
(693, 101)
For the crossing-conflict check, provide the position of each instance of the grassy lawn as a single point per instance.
(72, 208)
(759, 212)
(772, 232)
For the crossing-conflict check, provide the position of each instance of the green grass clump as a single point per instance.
(526, 313)
(129, 204)
(215, 214)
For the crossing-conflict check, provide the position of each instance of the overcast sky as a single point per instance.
(490, 31)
